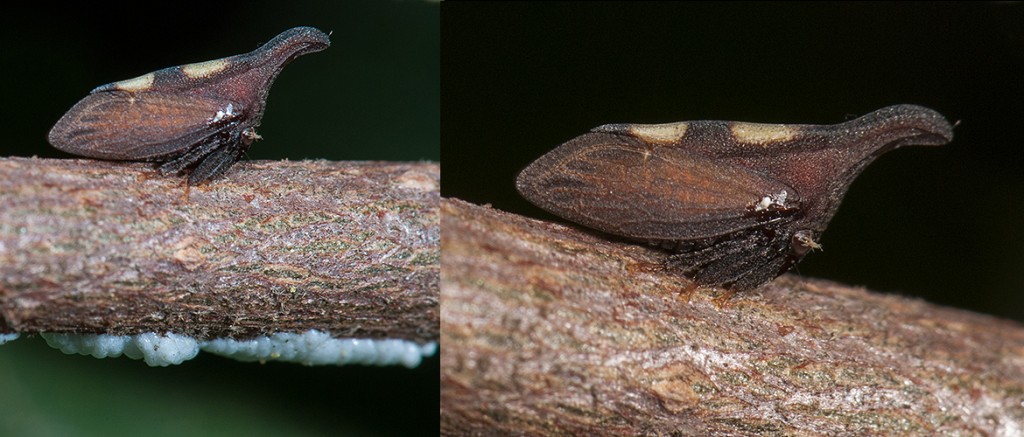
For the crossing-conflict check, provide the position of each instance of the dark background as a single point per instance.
(943, 224)
(373, 95)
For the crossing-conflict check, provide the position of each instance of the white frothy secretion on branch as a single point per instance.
(311, 348)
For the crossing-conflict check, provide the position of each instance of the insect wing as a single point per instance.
(123, 125)
(620, 185)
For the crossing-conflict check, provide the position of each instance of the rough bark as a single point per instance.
(101, 247)
(548, 329)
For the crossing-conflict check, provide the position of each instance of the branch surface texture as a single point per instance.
(101, 247)
(548, 329)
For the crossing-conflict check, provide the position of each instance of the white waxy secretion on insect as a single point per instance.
(778, 200)
(228, 112)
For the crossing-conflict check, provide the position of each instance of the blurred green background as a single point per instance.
(943, 224)
(373, 95)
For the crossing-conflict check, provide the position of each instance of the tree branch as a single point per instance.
(552, 330)
(102, 247)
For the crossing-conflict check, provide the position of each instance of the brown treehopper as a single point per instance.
(200, 116)
(736, 203)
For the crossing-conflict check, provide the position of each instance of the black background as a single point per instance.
(944, 224)
(373, 95)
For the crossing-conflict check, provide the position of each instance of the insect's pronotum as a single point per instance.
(736, 203)
(200, 117)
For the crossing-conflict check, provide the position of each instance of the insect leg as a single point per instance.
(741, 260)
(181, 162)
(218, 161)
